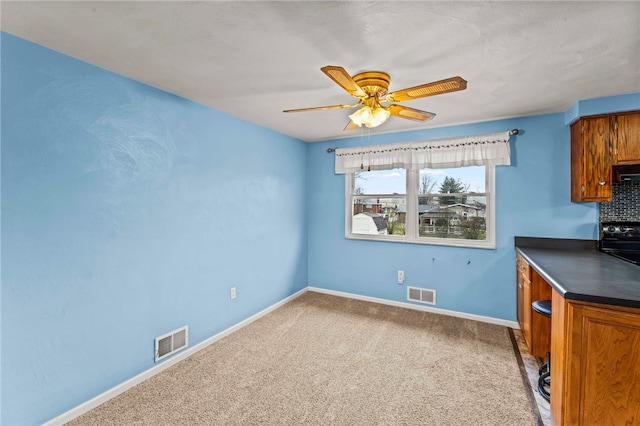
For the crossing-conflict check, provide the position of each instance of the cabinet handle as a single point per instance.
(582, 188)
(602, 182)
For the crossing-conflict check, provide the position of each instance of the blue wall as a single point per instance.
(606, 105)
(532, 199)
(128, 212)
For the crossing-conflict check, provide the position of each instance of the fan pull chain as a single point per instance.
(369, 143)
(361, 154)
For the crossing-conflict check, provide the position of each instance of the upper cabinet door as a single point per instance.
(591, 159)
(627, 127)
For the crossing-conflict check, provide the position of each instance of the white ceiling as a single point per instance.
(254, 59)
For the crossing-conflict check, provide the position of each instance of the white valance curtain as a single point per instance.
(490, 149)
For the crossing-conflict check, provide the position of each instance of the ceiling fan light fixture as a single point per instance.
(371, 88)
(379, 116)
(362, 116)
(370, 117)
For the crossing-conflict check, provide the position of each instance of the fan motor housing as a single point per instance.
(374, 83)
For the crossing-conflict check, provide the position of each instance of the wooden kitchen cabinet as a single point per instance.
(595, 366)
(535, 328)
(598, 143)
(591, 162)
(626, 129)
(595, 331)
(523, 278)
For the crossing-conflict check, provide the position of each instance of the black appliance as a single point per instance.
(622, 240)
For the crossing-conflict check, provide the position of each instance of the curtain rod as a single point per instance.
(511, 132)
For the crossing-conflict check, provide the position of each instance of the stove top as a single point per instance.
(622, 240)
(629, 256)
(621, 230)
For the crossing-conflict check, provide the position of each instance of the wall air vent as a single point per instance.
(170, 343)
(421, 295)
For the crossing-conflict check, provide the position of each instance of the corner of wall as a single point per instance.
(605, 105)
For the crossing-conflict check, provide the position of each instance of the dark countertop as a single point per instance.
(577, 271)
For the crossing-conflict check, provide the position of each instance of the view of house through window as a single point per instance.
(428, 205)
(380, 202)
(452, 203)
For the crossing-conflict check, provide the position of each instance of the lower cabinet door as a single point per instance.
(602, 366)
(526, 312)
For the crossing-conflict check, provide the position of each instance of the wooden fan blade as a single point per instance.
(321, 108)
(351, 126)
(410, 113)
(344, 80)
(452, 84)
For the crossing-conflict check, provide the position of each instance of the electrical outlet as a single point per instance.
(400, 277)
(233, 292)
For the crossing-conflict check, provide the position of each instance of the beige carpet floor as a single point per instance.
(327, 360)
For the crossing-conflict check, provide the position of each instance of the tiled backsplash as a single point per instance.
(625, 205)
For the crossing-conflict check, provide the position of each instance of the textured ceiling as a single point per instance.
(254, 59)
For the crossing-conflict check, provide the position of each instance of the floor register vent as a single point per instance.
(421, 295)
(171, 342)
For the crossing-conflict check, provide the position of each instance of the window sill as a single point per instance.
(425, 241)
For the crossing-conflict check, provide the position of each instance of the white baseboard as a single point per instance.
(490, 320)
(128, 384)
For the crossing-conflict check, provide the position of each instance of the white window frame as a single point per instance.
(411, 224)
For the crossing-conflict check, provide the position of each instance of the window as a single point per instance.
(428, 192)
(451, 206)
(379, 203)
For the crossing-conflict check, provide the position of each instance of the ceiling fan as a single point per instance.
(371, 90)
